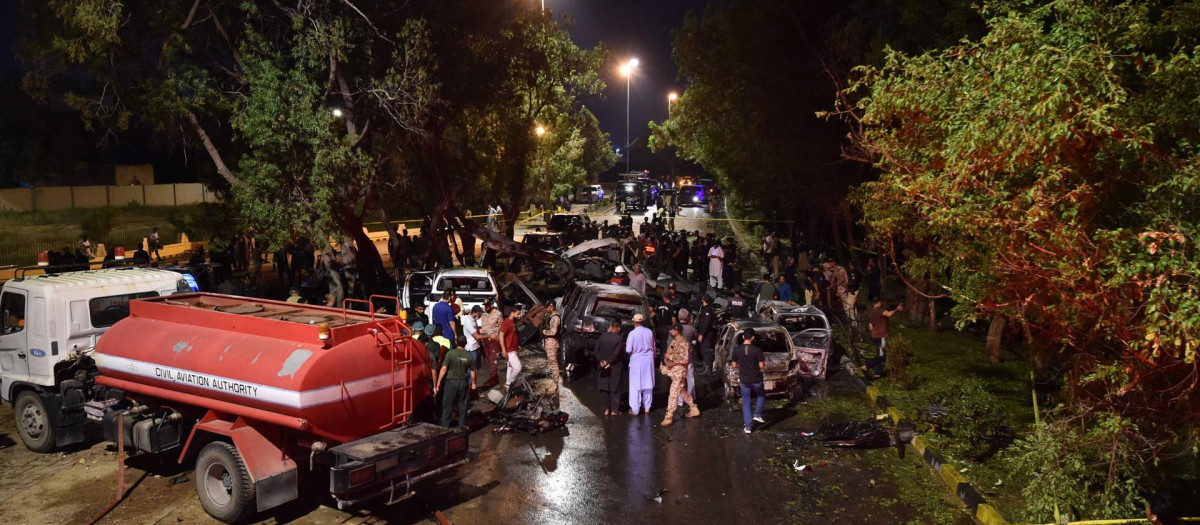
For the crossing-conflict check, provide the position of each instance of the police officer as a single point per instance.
(706, 330)
(737, 305)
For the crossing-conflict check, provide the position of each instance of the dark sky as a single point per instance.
(630, 28)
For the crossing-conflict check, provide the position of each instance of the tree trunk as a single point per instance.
(918, 308)
(995, 337)
(370, 264)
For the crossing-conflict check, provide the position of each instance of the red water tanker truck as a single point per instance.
(259, 394)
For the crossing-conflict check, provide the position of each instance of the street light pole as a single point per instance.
(541, 132)
(671, 98)
(627, 70)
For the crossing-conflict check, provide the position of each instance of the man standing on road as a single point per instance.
(155, 243)
(458, 373)
(610, 352)
(766, 291)
(678, 362)
(770, 252)
(877, 322)
(443, 315)
(783, 289)
(716, 266)
(489, 331)
(706, 330)
(737, 305)
(640, 347)
(550, 339)
(637, 280)
(471, 333)
(748, 360)
(689, 334)
(510, 344)
(850, 298)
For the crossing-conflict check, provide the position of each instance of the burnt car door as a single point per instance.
(812, 351)
(417, 286)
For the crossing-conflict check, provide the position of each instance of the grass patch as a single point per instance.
(30, 233)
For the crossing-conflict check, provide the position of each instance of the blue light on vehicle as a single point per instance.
(191, 282)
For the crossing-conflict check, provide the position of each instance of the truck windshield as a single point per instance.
(465, 285)
(106, 311)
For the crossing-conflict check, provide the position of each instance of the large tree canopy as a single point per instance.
(1049, 173)
(319, 115)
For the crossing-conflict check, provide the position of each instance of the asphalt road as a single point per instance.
(615, 469)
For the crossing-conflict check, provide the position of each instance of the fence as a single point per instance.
(22, 252)
(53, 198)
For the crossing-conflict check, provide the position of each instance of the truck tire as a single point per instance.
(223, 484)
(33, 422)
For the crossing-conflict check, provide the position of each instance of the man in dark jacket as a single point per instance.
(610, 350)
(706, 332)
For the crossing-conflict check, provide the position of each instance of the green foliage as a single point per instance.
(1090, 472)
(973, 416)
(899, 355)
(98, 223)
(1048, 172)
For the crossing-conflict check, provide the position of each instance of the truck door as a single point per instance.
(14, 349)
(417, 286)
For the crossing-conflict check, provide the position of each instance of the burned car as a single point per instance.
(554, 242)
(784, 366)
(588, 308)
(810, 333)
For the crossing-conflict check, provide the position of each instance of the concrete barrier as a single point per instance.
(122, 195)
(189, 194)
(53, 198)
(89, 196)
(16, 199)
(160, 195)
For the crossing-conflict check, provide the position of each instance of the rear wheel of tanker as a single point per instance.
(33, 422)
(223, 483)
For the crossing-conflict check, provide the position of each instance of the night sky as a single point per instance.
(630, 28)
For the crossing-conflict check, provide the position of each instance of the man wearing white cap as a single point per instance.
(640, 347)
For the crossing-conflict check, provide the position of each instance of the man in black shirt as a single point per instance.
(748, 360)
(737, 305)
(665, 316)
(706, 330)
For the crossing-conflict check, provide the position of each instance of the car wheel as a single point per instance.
(33, 422)
(223, 484)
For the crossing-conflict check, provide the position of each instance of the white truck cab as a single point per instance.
(48, 323)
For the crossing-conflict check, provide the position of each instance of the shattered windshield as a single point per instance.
(799, 323)
(771, 341)
(614, 308)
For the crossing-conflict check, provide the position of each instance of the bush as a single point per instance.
(899, 353)
(971, 416)
(99, 223)
(1090, 471)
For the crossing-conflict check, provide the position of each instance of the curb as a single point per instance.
(946, 472)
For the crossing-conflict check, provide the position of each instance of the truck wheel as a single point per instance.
(33, 422)
(223, 483)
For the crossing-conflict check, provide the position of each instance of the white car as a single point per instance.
(472, 285)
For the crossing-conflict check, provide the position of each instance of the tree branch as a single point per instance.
(212, 150)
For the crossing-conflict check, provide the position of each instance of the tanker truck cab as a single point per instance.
(49, 325)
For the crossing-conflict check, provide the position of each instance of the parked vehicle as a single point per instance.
(589, 194)
(692, 195)
(588, 308)
(810, 331)
(257, 394)
(784, 365)
(633, 195)
(472, 285)
(561, 222)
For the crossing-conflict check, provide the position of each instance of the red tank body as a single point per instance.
(266, 360)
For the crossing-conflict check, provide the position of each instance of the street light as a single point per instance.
(627, 71)
(541, 132)
(671, 98)
(337, 113)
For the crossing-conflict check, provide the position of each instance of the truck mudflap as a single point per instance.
(392, 462)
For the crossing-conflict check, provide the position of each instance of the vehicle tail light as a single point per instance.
(588, 326)
(323, 332)
(119, 253)
(456, 444)
(362, 475)
(44, 259)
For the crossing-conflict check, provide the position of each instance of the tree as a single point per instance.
(1048, 173)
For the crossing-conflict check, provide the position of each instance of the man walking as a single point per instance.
(716, 266)
(155, 243)
(609, 350)
(877, 322)
(474, 344)
(510, 344)
(748, 360)
(678, 361)
(640, 347)
(550, 339)
(458, 374)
